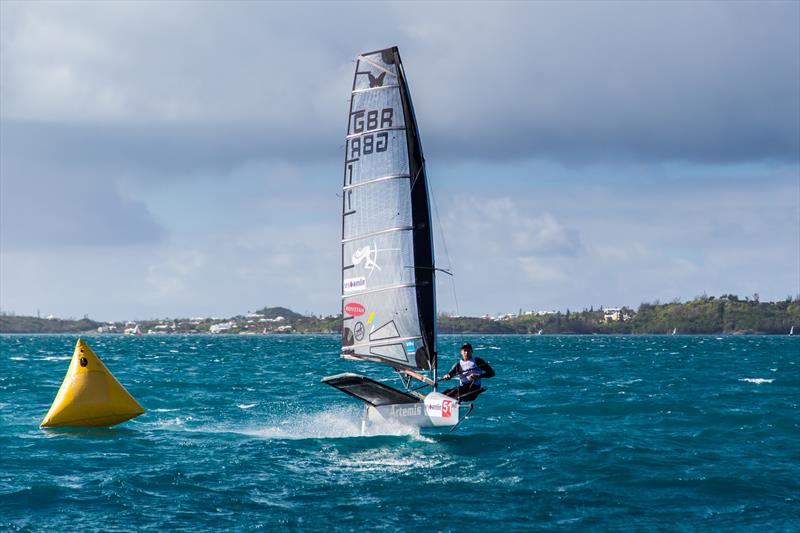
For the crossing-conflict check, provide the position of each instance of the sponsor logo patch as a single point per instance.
(413, 410)
(376, 81)
(354, 309)
(439, 408)
(354, 284)
(411, 347)
(358, 331)
(368, 255)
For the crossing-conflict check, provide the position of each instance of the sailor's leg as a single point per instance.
(470, 392)
(453, 393)
(465, 392)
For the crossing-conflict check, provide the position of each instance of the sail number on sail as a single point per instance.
(366, 121)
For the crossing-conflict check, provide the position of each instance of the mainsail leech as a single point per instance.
(388, 276)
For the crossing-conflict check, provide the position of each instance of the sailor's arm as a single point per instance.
(488, 371)
(453, 371)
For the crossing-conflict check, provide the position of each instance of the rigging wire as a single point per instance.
(449, 270)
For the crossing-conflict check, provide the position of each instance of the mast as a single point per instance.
(424, 266)
(388, 273)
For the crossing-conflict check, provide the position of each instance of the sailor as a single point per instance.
(470, 370)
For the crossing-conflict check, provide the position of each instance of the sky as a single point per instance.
(184, 159)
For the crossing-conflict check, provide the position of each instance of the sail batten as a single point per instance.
(375, 233)
(371, 132)
(376, 180)
(383, 289)
(388, 291)
(375, 88)
(381, 344)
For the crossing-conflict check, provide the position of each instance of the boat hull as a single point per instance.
(435, 410)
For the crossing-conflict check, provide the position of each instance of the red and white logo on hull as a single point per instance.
(354, 309)
(446, 412)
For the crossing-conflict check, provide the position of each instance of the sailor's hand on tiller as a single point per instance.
(473, 377)
(447, 376)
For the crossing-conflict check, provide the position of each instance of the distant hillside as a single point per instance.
(704, 315)
(31, 324)
(275, 312)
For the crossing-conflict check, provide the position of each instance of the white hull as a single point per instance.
(385, 405)
(436, 410)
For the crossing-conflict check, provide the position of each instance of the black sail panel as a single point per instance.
(423, 231)
(388, 304)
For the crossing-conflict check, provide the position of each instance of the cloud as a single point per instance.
(506, 229)
(705, 82)
(536, 271)
(622, 243)
(614, 80)
(500, 249)
(186, 157)
(41, 205)
(216, 274)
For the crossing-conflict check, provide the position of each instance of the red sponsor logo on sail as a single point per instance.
(446, 412)
(354, 309)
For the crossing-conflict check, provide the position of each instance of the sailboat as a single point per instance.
(133, 331)
(791, 330)
(388, 270)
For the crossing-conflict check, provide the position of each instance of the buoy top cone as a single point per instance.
(90, 395)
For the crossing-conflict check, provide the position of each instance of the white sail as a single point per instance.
(387, 253)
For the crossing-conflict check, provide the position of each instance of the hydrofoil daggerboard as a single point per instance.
(388, 271)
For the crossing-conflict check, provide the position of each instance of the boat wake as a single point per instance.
(333, 423)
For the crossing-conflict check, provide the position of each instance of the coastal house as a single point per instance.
(616, 314)
(219, 328)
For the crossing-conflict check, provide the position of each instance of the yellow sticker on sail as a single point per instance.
(371, 316)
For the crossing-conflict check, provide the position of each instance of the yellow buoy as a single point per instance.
(90, 395)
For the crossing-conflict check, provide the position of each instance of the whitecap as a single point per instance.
(172, 422)
(387, 460)
(757, 381)
(246, 406)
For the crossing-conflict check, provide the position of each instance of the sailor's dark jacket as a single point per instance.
(488, 371)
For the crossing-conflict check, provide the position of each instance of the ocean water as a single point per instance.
(624, 433)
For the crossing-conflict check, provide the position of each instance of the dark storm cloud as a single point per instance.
(703, 82)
